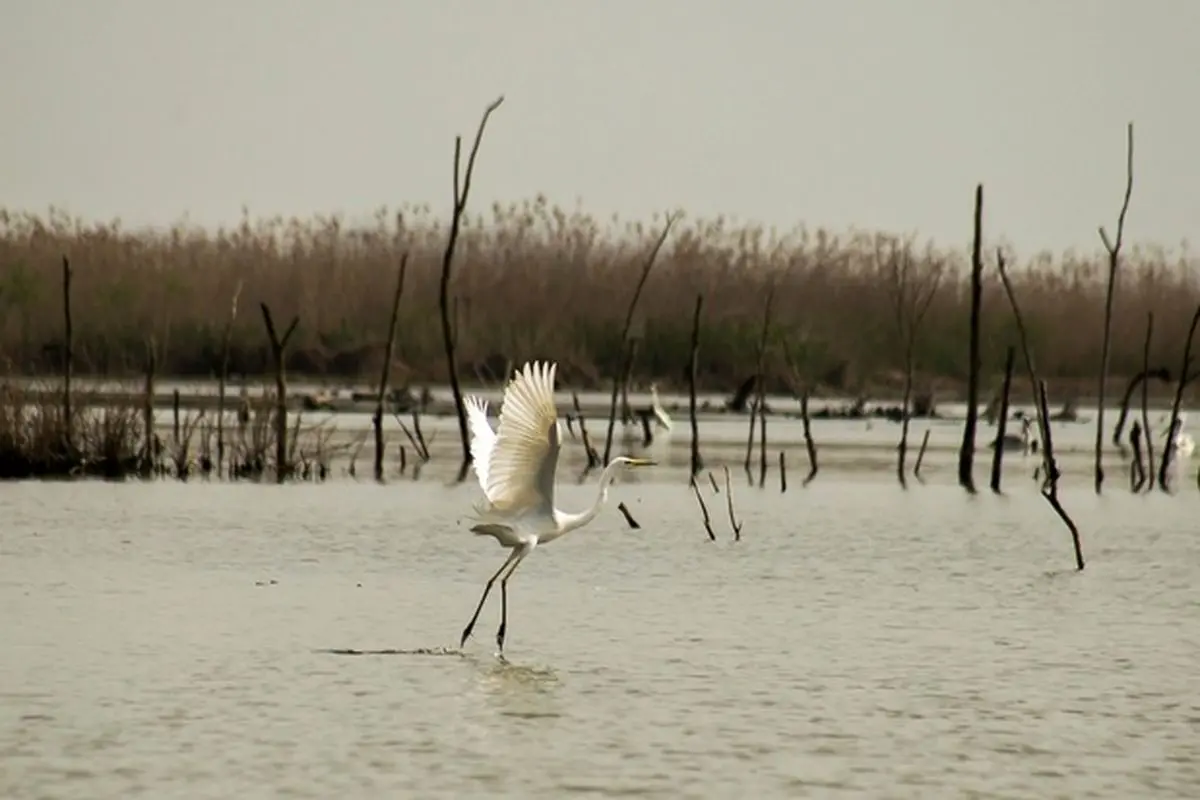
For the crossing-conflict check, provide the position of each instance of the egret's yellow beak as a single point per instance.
(642, 462)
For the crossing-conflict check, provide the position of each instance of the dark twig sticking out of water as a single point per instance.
(1169, 447)
(809, 444)
(1049, 467)
(1050, 485)
(913, 292)
(593, 458)
(693, 366)
(1147, 435)
(712, 537)
(921, 456)
(758, 407)
(713, 482)
(377, 417)
(461, 191)
(966, 454)
(149, 452)
(733, 521)
(633, 301)
(1002, 422)
(629, 520)
(1137, 469)
(414, 435)
(782, 472)
(801, 390)
(1114, 260)
(223, 377)
(68, 359)
(279, 357)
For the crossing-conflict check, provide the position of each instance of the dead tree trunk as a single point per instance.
(226, 338)
(460, 204)
(1114, 259)
(149, 454)
(637, 293)
(377, 419)
(693, 366)
(966, 455)
(279, 358)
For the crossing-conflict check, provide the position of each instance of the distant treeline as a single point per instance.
(532, 280)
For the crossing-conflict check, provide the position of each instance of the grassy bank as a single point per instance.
(532, 280)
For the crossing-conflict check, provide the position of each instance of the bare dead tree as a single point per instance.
(461, 191)
(693, 366)
(966, 454)
(637, 293)
(223, 378)
(279, 357)
(758, 408)
(1114, 259)
(377, 418)
(913, 289)
(1161, 373)
(1180, 387)
(149, 454)
(68, 366)
(1049, 467)
(921, 456)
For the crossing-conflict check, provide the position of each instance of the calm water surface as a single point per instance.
(174, 641)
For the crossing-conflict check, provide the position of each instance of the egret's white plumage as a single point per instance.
(1184, 445)
(660, 413)
(515, 465)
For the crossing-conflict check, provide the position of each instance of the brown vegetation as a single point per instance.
(537, 281)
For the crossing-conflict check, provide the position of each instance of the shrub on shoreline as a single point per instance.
(532, 280)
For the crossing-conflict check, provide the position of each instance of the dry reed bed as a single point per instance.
(536, 281)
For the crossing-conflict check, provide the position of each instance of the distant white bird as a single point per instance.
(661, 417)
(515, 465)
(1012, 441)
(1184, 444)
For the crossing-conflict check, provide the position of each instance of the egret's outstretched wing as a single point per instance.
(483, 439)
(520, 473)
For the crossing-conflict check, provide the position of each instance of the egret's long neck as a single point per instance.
(572, 520)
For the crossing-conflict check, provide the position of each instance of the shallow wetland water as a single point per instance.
(169, 640)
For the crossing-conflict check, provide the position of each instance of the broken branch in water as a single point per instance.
(737, 526)
(1114, 259)
(703, 508)
(921, 456)
(377, 418)
(1050, 468)
(629, 520)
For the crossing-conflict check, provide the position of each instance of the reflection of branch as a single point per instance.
(703, 508)
(737, 526)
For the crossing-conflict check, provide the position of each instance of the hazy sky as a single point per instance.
(867, 113)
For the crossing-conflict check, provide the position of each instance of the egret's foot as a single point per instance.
(466, 634)
(500, 638)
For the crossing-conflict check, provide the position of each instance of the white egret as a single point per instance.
(1184, 444)
(515, 464)
(660, 414)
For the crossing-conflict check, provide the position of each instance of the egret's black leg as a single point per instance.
(466, 634)
(524, 551)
